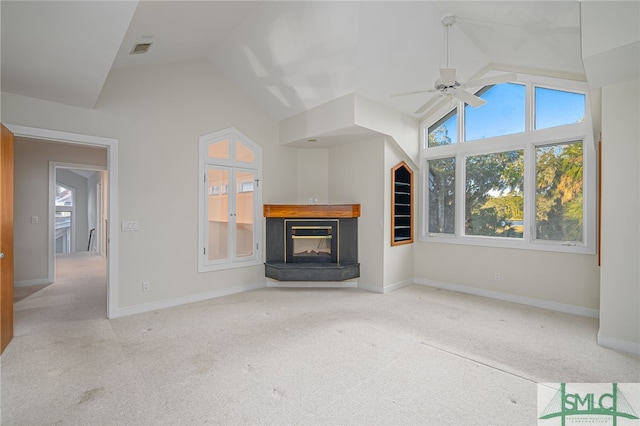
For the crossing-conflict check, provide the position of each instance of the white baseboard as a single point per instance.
(312, 284)
(386, 289)
(539, 303)
(29, 283)
(618, 344)
(163, 304)
(398, 285)
(371, 288)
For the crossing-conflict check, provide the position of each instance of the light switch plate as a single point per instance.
(129, 225)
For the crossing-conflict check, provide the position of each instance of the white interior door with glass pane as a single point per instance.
(230, 214)
(64, 219)
(230, 206)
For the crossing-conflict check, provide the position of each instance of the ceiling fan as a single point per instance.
(449, 85)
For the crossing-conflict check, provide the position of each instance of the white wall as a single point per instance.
(568, 279)
(31, 166)
(398, 260)
(620, 245)
(157, 114)
(356, 176)
(313, 176)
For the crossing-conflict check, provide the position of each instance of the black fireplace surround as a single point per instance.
(312, 249)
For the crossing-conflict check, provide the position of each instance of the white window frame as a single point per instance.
(528, 141)
(231, 164)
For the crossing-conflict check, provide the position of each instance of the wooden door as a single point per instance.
(6, 238)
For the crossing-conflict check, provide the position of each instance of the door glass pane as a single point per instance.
(219, 149)
(63, 232)
(244, 213)
(559, 195)
(243, 153)
(64, 196)
(218, 213)
(442, 195)
(494, 201)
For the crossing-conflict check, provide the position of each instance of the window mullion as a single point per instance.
(460, 194)
(461, 125)
(231, 194)
(460, 176)
(529, 108)
(529, 194)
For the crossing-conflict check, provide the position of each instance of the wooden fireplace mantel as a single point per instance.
(311, 210)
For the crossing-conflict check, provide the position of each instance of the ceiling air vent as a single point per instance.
(140, 48)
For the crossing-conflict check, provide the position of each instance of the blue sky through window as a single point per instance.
(503, 114)
(557, 108)
(445, 130)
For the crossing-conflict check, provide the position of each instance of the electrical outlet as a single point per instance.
(146, 285)
(497, 276)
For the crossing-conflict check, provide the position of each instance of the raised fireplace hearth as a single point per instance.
(315, 242)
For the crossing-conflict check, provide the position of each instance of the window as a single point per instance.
(503, 114)
(442, 195)
(65, 220)
(230, 214)
(493, 194)
(445, 131)
(517, 172)
(559, 196)
(558, 108)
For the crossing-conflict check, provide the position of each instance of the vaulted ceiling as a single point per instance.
(288, 56)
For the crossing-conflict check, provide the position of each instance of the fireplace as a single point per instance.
(312, 242)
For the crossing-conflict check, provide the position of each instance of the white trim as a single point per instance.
(618, 344)
(397, 286)
(170, 303)
(112, 181)
(530, 301)
(371, 288)
(29, 283)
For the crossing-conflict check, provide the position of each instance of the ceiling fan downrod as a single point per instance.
(447, 21)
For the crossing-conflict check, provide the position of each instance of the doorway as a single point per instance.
(77, 211)
(109, 188)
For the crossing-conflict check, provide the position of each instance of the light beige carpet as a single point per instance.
(291, 356)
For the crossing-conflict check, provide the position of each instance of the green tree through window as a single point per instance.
(559, 192)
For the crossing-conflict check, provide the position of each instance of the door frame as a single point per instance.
(112, 194)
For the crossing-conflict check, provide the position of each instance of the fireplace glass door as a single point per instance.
(309, 241)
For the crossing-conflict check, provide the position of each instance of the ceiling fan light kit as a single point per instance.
(450, 86)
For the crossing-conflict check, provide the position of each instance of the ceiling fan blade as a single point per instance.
(502, 78)
(415, 92)
(468, 98)
(428, 104)
(448, 76)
